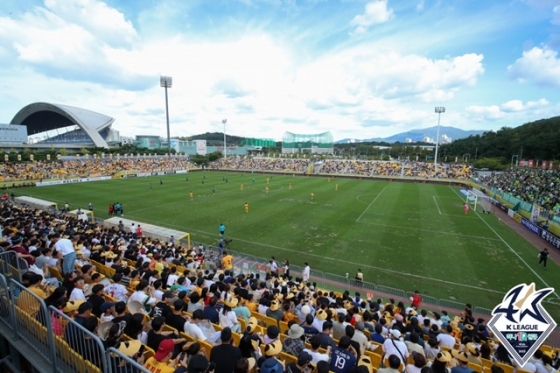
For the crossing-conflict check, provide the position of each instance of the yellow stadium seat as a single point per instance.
(475, 367)
(288, 358)
(507, 368)
(207, 347)
(374, 358)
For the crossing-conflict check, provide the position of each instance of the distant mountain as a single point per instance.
(417, 135)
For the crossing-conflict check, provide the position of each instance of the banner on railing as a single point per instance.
(530, 226)
(550, 238)
(73, 181)
(526, 206)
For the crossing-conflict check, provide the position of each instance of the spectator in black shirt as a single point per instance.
(122, 318)
(156, 335)
(96, 299)
(175, 319)
(225, 356)
(162, 307)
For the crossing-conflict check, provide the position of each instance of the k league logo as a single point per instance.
(521, 323)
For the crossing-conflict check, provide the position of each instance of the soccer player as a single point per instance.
(266, 189)
(150, 187)
(246, 207)
(543, 256)
(329, 180)
(312, 195)
(241, 187)
(253, 180)
(161, 182)
(213, 190)
(336, 187)
(466, 208)
(191, 195)
(268, 180)
(290, 186)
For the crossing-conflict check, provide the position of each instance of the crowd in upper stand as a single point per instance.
(532, 185)
(174, 299)
(10, 171)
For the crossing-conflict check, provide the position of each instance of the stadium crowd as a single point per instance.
(262, 164)
(393, 168)
(532, 185)
(22, 171)
(178, 309)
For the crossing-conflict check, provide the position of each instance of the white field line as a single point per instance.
(371, 203)
(437, 205)
(338, 260)
(509, 247)
(431, 231)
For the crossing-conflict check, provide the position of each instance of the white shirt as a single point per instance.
(273, 266)
(158, 294)
(541, 368)
(317, 356)
(305, 273)
(107, 318)
(140, 296)
(228, 320)
(117, 291)
(194, 331)
(393, 349)
(77, 294)
(65, 246)
(446, 340)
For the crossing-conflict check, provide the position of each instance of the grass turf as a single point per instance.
(411, 236)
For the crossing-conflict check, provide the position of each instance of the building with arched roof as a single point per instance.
(91, 128)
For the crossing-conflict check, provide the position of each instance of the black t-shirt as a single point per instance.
(225, 357)
(96, 301)
(154, 339)
(176, 321)
(122, 321)
(161, 309)
(293, 368)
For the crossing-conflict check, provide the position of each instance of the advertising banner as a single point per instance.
(550, 238)
(530, 226)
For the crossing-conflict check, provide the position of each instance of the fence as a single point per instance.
(11, 266)
(61, 343)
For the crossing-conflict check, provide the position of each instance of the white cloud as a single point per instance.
(538, 65)
(512, 107)
(518, 105)
(375, 12)
(420, 6)
(556, 15)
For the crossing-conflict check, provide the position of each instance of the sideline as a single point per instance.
(437, 205)
(510, 248)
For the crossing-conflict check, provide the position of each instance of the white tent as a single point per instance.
(150, 230)
(35, 202)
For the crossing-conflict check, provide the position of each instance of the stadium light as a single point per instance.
(167, 82)
(439, 110)
(224, 121)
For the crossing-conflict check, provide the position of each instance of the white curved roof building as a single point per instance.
(94, 128)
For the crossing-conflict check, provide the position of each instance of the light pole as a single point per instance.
(439, 110)
(224, 121)
(167, 82)
(466, 157)
(516, 160)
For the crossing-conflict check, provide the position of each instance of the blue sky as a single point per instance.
(357, 68)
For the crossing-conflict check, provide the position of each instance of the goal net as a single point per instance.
(479, 201)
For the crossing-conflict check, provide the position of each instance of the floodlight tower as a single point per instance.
(167, 82)
(224, 121)
(439, 110)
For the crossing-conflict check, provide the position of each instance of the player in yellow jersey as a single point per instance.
(246, 207)
(312, 195)
(241, 187)
(191, 195)
(268, 180)
(329, 180)
(266, 189)
(336, 187)
(290, 186)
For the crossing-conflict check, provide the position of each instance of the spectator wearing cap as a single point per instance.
(362, 339)
(393, 366)
(107, 311)
(162, 308)
(96, 299)
(295, 343)
(394, 346)
(344, 356)
(275, 311)
(441, 362)
(245, 365)
(462, 362)
(320, 317)
(272, 363)
(227, 316)
(317, 356)
(302, 364)
(20, 250)
(161, 362)
(225, 355)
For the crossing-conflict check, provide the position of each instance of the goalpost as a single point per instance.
(477, 199)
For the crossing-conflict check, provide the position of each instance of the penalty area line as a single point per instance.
(509, 247)
(437, 205)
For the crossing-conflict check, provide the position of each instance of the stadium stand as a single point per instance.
(158, 296)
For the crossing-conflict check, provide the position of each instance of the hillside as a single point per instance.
(417, 135)
(214, 138)
(534, 140)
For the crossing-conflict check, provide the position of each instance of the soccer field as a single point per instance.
(412, 236)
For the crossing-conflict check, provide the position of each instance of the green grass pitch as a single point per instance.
(411, 236)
